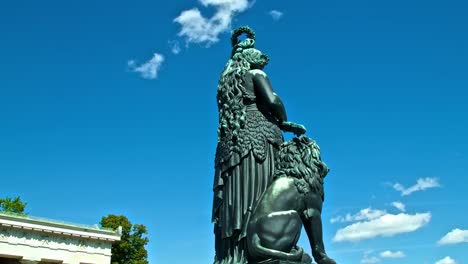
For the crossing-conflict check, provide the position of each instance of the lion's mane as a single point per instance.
(300, 158)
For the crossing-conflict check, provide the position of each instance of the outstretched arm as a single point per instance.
(266, 96)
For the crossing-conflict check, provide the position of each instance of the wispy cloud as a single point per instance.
(400, 206)
(386, 225)
(446, 260)
(198, 29)
(421, 184)
(275, 14)
(175, 46)
(364, 214)
(149, 69)
(391, 254)
(368, 259)
(455, 236)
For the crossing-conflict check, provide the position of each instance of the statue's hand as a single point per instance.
(295, 128)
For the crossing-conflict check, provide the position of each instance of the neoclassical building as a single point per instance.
(34, 240)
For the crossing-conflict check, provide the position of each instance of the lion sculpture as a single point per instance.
(294, 199)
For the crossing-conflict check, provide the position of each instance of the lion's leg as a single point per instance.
(275, 236)
(280, 230)
(313, 227)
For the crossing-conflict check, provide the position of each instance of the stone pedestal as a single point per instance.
(306, 259)
(281, 262)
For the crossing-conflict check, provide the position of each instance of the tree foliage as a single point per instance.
(131, 248)
(10, 205)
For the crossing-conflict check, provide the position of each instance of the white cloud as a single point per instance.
(370, 260)
(149, 69)
(276, 15)
(454, 237)
(198, 29)
(390, 254)
(364, 214)
(386, 225)
(421, 184)
(175, 46)
(367, 259)
(400, 206)
(446, 260)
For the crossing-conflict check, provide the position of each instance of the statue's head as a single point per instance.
(245, 49)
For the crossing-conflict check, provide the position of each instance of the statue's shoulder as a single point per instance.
(257, 72)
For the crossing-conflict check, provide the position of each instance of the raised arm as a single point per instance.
(267, 99)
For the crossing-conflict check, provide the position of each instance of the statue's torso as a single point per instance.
(260, 129)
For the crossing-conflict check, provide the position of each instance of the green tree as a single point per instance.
(10, 205)
(131, 248)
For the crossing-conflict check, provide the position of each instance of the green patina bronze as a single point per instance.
(255, 171)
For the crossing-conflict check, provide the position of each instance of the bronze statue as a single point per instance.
(251, 118)
(294, 199)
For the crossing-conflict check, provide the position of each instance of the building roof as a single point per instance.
(29, 223)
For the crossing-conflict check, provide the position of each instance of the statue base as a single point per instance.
(306, 259)
(280, 262)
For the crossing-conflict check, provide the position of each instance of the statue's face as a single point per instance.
(259, 60)
(257, 66)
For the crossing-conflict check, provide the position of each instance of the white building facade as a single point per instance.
(29, 240)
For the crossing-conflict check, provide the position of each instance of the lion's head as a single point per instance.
(300, 158)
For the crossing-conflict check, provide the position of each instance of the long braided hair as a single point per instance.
(231, 91)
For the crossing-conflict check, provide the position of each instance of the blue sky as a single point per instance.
(109, 107)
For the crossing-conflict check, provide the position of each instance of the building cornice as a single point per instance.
(57, 228)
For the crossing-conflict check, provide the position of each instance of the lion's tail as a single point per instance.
(257, 249)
